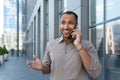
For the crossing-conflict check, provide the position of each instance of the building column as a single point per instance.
(53, 19)
(85, 18)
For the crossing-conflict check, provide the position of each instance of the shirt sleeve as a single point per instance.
(47, 59)
(95, 68)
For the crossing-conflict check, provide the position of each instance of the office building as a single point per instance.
(99, 22)
(10, 25)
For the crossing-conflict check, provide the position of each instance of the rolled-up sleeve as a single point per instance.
(95, 68)
(47, 59)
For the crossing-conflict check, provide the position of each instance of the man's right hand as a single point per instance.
(37, 64)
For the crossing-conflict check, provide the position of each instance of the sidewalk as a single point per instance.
(16, 69)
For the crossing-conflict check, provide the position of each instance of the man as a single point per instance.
(69, 57)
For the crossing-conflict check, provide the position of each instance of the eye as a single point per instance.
(63, 22)
(71, 22)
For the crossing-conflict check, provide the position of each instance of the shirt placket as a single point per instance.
(65, 61)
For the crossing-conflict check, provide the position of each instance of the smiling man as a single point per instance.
(69, 57)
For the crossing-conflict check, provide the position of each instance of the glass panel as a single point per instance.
(92, 36)
(61, 5)
(113, 50)
(112, 8)
(97, 40)
(96, 14)
(10, 13)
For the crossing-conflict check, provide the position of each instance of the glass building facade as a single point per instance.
(10, 24)
(104, 29)
(99, 21)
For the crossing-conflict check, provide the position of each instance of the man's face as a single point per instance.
(67, 24)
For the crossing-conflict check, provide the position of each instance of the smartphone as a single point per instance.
(76, 27)
(73, 37)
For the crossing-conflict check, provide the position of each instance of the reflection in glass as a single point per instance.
(96, 37)
(99, 40)
(112, 37)
(113, 50)
(96, 14)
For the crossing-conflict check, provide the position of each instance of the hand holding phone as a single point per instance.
(77, 36)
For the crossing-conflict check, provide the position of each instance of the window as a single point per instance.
(96, 11)
(61, 10)
(61, 5)
(112, 9)
(113, 51)
(104, 19)
(97, 38)
(111, 37)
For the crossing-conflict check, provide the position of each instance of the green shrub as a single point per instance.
(2, 51)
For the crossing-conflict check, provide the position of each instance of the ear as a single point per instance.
(76, 26)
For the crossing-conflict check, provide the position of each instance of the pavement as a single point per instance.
(15, 68)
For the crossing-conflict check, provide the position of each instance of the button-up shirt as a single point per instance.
(65, 63)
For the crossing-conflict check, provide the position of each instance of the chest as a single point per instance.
(64, 53)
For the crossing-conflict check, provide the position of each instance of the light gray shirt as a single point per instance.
(65, 63)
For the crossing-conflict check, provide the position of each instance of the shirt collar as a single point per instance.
(60, 39)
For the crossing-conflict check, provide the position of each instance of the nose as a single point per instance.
(66, 26)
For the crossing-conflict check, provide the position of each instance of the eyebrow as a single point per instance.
(64, 20)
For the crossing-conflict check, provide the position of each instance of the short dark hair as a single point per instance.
(71, 12)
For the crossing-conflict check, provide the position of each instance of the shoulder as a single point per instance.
(53, 42)
(87, 44)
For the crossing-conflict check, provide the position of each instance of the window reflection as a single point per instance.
(99, 40)
(96, 14)
(113, 50)
(96, 37)
(112, 37)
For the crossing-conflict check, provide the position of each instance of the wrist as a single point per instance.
(79, 47)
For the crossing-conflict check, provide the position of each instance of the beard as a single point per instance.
(67, 33)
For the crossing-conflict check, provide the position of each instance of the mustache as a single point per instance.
(70, 29)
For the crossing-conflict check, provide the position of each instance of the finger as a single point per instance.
(74, 33)
(35, 57)
(30, 66)
(30, 62)
(76, 30)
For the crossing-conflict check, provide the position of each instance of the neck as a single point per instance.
(68, 40)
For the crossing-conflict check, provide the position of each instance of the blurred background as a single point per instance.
(27, 25)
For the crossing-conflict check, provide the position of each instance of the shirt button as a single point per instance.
(65, 52)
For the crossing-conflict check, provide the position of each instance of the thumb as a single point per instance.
(35, 57)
